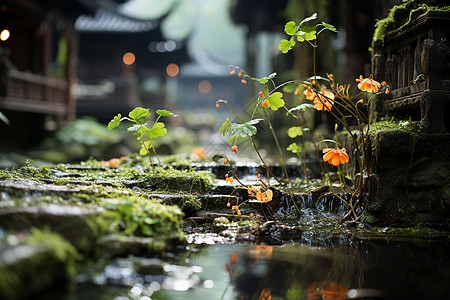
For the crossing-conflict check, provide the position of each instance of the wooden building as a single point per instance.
(37, 65)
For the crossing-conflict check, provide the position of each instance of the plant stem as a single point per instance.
(283, 165)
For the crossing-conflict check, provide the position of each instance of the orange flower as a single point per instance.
(261, 94)
(309, 93)
(243, 81)
(232, 72)
(297, 91)
(325, 99)
(368, 84)
(266, 294)
(234, 148)
(199, 152)
(264, 103)
(112, 162)
(264, 197)
(335, 156)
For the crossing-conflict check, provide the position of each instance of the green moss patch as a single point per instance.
(400, 16)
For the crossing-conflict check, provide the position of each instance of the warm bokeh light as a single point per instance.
(172, 70)
(128, 58)
(4, 35)
(204, 86)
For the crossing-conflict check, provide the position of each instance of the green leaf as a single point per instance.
(286, 45)
(294, 148)
(143, 151)
(230, 141)
(244, 130)
(144, 147)
(157, 130)
(295, 131)
(266, 79)
(329, 27)
(289, 88)
(138, 113)
(266, 90)
(308, 33)
(302, 107)
(290, 28)
(225, 127)
(275, 101)
(114, 122)
(165, 113)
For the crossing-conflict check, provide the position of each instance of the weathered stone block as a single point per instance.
(413, 175)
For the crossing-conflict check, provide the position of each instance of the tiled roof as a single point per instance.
(106, 21)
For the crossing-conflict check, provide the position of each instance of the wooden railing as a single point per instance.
(30, 92)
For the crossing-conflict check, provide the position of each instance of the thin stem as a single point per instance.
(278, 145)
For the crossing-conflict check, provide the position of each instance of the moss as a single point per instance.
(60, 247)
(41, 252)
(34, 172)
(400, 16)
(187, 202)
(146, 217)
(392, 123)
(4, 175)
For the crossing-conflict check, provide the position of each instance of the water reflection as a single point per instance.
(353, 269)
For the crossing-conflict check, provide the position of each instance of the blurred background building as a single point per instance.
(75, 58)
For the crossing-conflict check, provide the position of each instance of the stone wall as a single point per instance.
(412, 174)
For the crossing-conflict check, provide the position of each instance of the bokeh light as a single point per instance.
(4, 35)
(128, 58)
(172, 70)
(204, 86)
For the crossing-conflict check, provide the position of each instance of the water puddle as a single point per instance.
(346, 269)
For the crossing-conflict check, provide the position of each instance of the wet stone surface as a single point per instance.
(138, 236)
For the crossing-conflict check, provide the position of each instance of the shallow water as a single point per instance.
(348, 268)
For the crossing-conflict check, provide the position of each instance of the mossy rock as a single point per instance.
(82, 226)
(41, 252)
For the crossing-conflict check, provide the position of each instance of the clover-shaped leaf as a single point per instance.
(144, 147)
(290, 28)
(295, 131)
(286, 45)
(114, 122)
(294, 148)
(275, 101)
(138, 113)
(157, 130)
(308, 33)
